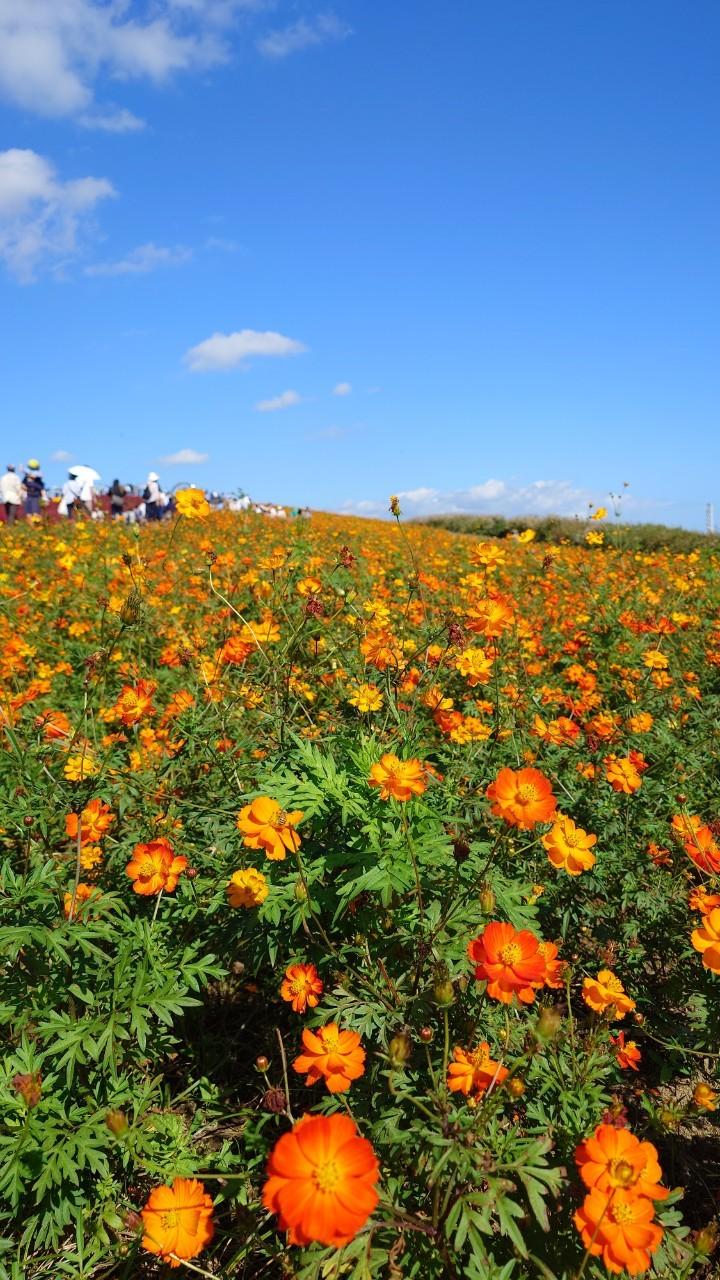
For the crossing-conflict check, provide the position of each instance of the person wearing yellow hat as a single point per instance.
(34, 487)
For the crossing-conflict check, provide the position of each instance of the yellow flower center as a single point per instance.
(298, 985)
(621, 1213)
(479, 1059)
(326, 1176)
(329, 1039)
(614, 985)
(168, 1220)
(527, 793)
(510, 953)
(572, 839)
(622, 1173)
(280, 820)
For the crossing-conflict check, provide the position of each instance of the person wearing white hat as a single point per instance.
(11, 493)
(34, 488)
(151, 496)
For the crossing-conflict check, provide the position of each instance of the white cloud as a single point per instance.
(140, 261)
(487, 491)
(112, 121)
(342, 389)
(228, 350)
(283, 401)
(43, 219)
(185, 458)
(329, 433)
(52, 52)
(540, 497)
(222, 244)
(304, 33)
(61, 455)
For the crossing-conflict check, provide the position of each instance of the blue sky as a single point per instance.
(467, 252)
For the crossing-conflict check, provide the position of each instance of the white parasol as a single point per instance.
(86, 474)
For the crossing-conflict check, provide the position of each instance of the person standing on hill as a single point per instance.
(151, 497)
(11, 493)
(34, 488)
(116, 494)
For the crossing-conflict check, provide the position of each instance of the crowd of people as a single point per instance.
(23, 491)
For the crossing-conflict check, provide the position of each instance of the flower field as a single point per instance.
(359, 903)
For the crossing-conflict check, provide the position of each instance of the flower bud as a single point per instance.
(426, 1034)
(300, 891)
(116, 1121)
(29, 1087)
(487, 900)
(443, 992)
(706, 1240)
(548, 1024)
(515, 1086)
(262, 1063)
(400, 1049)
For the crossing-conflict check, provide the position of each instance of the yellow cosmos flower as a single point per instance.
(192, 504)
(247, 888)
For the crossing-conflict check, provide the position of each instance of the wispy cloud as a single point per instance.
(53, 52)
(61, 455)
(43, 219)
(185, 458)
(329, 433)
(284, 401)
(222, 244)
(230, 350)
(112, 121)
(325, 28)
(342, 388)
(140, 261)
(539, 497)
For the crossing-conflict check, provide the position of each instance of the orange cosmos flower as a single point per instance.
(302, 987)
(562, 732)
(236, 650)
(554, 968)
(321, 1181)
(95, 821)
(627, 1054)
(247, 888)
(266, 826)
(511, 962)
(702, 901)
(73, 901)
(622, 774)
(192, 504)
(620, 1229)
(614, 1158)
(155, 867)
(706, 940)
(135, 701)
(705, 1097)
(698, 842)
(606, 994)
(54, 724)
(489, 616)
(331, 1054)
(523, 797)
(569, 846)
(177, 1221)
(400, 779)
(473, 1073)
